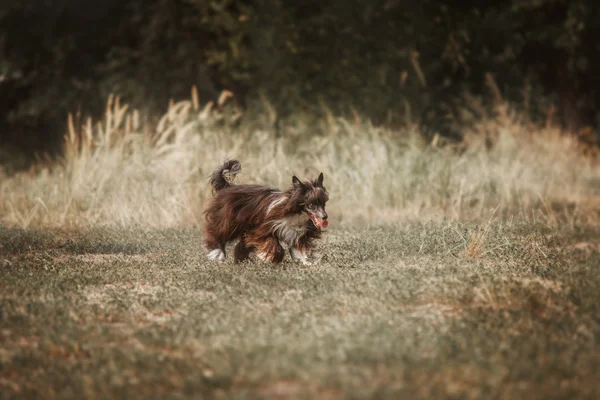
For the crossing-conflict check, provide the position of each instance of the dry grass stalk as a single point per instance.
(115, 174)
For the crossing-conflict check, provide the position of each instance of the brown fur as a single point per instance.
(261, 217)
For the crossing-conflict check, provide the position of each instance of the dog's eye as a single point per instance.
(311, 206)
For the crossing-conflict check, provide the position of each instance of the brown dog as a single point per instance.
(265, 220)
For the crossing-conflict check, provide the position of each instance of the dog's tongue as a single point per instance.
(323, 223)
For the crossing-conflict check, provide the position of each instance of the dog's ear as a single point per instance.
(320, 180)
(296, 182)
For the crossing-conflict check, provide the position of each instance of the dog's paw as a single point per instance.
(216, 255)
(304, 261)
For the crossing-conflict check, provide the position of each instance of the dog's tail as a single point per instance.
(224, 175)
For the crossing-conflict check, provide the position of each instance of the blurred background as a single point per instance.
(438, 63)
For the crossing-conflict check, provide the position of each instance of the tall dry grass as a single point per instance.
(120, 172)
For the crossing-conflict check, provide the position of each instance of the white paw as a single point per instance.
(299, 256)
(216, 255)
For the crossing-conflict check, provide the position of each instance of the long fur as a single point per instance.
(265, 220)
(218, 178)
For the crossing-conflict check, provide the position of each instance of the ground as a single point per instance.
(418, 310)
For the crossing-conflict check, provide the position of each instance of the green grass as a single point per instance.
(422, 310)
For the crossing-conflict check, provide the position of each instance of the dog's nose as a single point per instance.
(324, 215)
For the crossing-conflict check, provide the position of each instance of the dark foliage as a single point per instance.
(381, 57)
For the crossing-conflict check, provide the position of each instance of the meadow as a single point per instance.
(449, 270)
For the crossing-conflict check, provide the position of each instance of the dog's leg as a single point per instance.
(299, 254)
(241, 251)
(271, 250)
(305, 248)
(216, 248)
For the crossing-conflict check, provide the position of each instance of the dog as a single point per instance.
(265, 220)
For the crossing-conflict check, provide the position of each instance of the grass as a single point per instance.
(390, 312)
(447, 271)
(122, 173)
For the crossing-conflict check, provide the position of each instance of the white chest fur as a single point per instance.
(289, 229)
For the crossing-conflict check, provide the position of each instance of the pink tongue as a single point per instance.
(323, 223)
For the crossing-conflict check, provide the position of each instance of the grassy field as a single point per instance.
(413, 311)
(468, 271)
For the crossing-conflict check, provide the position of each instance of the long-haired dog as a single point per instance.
(265, 220)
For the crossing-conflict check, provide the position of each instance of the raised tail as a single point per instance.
(224, 175)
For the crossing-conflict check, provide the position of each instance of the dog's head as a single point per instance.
(312, 197)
